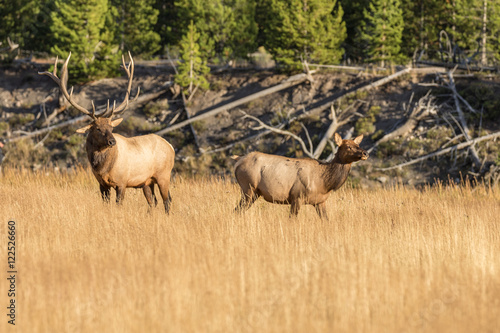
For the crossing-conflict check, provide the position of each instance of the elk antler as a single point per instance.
(114, 110)
(62, 85)
(123, 106)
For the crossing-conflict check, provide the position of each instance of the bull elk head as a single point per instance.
(102, 124)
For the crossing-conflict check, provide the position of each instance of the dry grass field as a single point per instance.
(391, 260)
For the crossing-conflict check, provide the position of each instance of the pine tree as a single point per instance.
(18, 21)
(296, 30)
(382, 31)
(167, 23)
(493, 37)
(135, 30)
(477, 29)
(423, 25)
(193, 68)
(79, 26)
(227, 28)
(353, 16)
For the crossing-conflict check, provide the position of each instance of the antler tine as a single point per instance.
(62, 86)
(52, 75)
(105, 112)
(130, 73)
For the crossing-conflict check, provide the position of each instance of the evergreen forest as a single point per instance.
(379, 32)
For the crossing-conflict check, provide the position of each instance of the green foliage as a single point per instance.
(20, 119)
(366, 125)
(134, 30)
(154, 109)
(227, 29)
(4, 127)
(482, 97)
(378, 135)
(382, 30)
(296, 30)
(75, 146)
(199, 126)
(18, 21)
(193, 68)
(353, 15)
(82, 28)
(130, 126)
(469, 18)
(23, 153)
(390, 148)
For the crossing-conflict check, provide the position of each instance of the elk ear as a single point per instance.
(358, 139)
(338, 139)
(116, 122)
(84, 129)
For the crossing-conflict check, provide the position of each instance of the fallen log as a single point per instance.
(422, 109)
(319, 109)
(49, 128)
(290, 82)
(444, 151)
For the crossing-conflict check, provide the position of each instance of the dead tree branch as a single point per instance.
(444, 151)
(461, 117)
(423, 108)
(50, 128)
(290, 82)
(262, 125)
(331, 130)
(328, 134)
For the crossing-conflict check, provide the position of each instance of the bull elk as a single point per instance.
(295, 181)
(119, 162)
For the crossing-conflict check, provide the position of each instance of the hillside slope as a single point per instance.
(27, 99)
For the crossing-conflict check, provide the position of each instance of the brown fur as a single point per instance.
(295, 181)
(138, 162)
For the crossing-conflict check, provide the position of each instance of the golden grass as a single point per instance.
(392, 260)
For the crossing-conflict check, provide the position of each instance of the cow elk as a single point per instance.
(295, 181)
(119, 162)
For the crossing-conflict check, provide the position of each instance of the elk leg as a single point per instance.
(321, 210)
(165, 193)
(149, 195)
(120, 194)
(247, 199)
(294, 208)
(105, 192)
(152, 186)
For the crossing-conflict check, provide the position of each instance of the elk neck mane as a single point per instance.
(335, 173)
(101, 160)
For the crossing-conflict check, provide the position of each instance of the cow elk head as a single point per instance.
(349, 151)
(101, 128)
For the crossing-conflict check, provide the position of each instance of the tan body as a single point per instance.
(137, 162)
(295, 181)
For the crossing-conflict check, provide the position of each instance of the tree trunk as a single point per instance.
(483, 46)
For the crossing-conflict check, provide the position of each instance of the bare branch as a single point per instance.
(444, 151)
(466, 131)
(279, 131)
(422, 109)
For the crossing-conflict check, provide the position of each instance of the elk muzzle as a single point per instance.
(111, 141)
